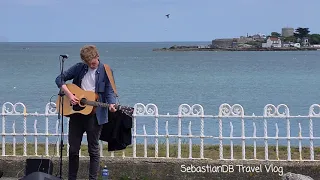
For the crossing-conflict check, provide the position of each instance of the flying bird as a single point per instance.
(168, 15)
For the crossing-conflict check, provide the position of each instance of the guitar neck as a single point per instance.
(125, 109)
(94, 103)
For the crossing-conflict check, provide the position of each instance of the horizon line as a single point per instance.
(97, 41)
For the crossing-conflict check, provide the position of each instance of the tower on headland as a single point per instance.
(287, 31)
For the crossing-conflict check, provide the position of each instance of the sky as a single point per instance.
(145, 20)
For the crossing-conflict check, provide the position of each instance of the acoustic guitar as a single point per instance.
(88, 100)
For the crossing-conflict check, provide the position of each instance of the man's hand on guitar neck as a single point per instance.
(112, 108)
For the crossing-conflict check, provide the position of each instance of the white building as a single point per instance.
(290, 44)
(272, 42)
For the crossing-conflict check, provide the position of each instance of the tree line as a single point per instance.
(298, 35)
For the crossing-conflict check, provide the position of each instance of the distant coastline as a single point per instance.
(196, 48)
(289, 40)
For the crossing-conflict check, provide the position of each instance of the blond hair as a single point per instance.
(88, 52)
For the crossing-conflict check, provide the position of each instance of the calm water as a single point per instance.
(168, 79)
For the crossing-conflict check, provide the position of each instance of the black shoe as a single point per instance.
(1, 174)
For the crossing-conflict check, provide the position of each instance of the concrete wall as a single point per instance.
(161, 169)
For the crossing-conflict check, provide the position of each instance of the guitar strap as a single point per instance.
(111, 79)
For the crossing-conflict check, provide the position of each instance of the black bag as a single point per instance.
(117, 132)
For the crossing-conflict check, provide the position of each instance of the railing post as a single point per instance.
(300, 146)
(35, 138)
(190, 141)
(14, 138)
(243, 140)
(3, 135)
(277, 141)
(312, 114)
(254, 140)
(167, 140)
(202, 135)
(145, 141)
(266, 113)
(231, 141)
(156, 132)
(25, 136)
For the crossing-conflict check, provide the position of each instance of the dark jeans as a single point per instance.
(77, 126)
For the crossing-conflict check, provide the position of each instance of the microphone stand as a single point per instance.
(61, 94)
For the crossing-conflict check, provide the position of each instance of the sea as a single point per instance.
(169, 79)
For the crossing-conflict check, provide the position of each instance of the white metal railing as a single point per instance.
(194, 136)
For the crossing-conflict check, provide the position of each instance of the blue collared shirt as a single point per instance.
(102, 87)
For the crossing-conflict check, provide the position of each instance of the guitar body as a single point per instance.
(81, 108)
(88, 103)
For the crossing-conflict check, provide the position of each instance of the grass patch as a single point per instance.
(210, 151)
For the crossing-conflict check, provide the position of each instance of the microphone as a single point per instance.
(64, 56)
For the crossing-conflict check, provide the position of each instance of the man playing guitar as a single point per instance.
(89, 75)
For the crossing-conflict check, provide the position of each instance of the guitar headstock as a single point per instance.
(126, 109)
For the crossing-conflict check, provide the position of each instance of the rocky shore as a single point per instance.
(196, 48)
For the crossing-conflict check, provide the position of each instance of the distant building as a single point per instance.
(243, 39)
(291, 44)
(259, 37)
(287, 32)
(305, 41)
(272, 42)
(297, 45)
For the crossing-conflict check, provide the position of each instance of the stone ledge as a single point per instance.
(159, 168)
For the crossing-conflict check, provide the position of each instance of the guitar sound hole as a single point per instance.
(78, 107)
(83, 101)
